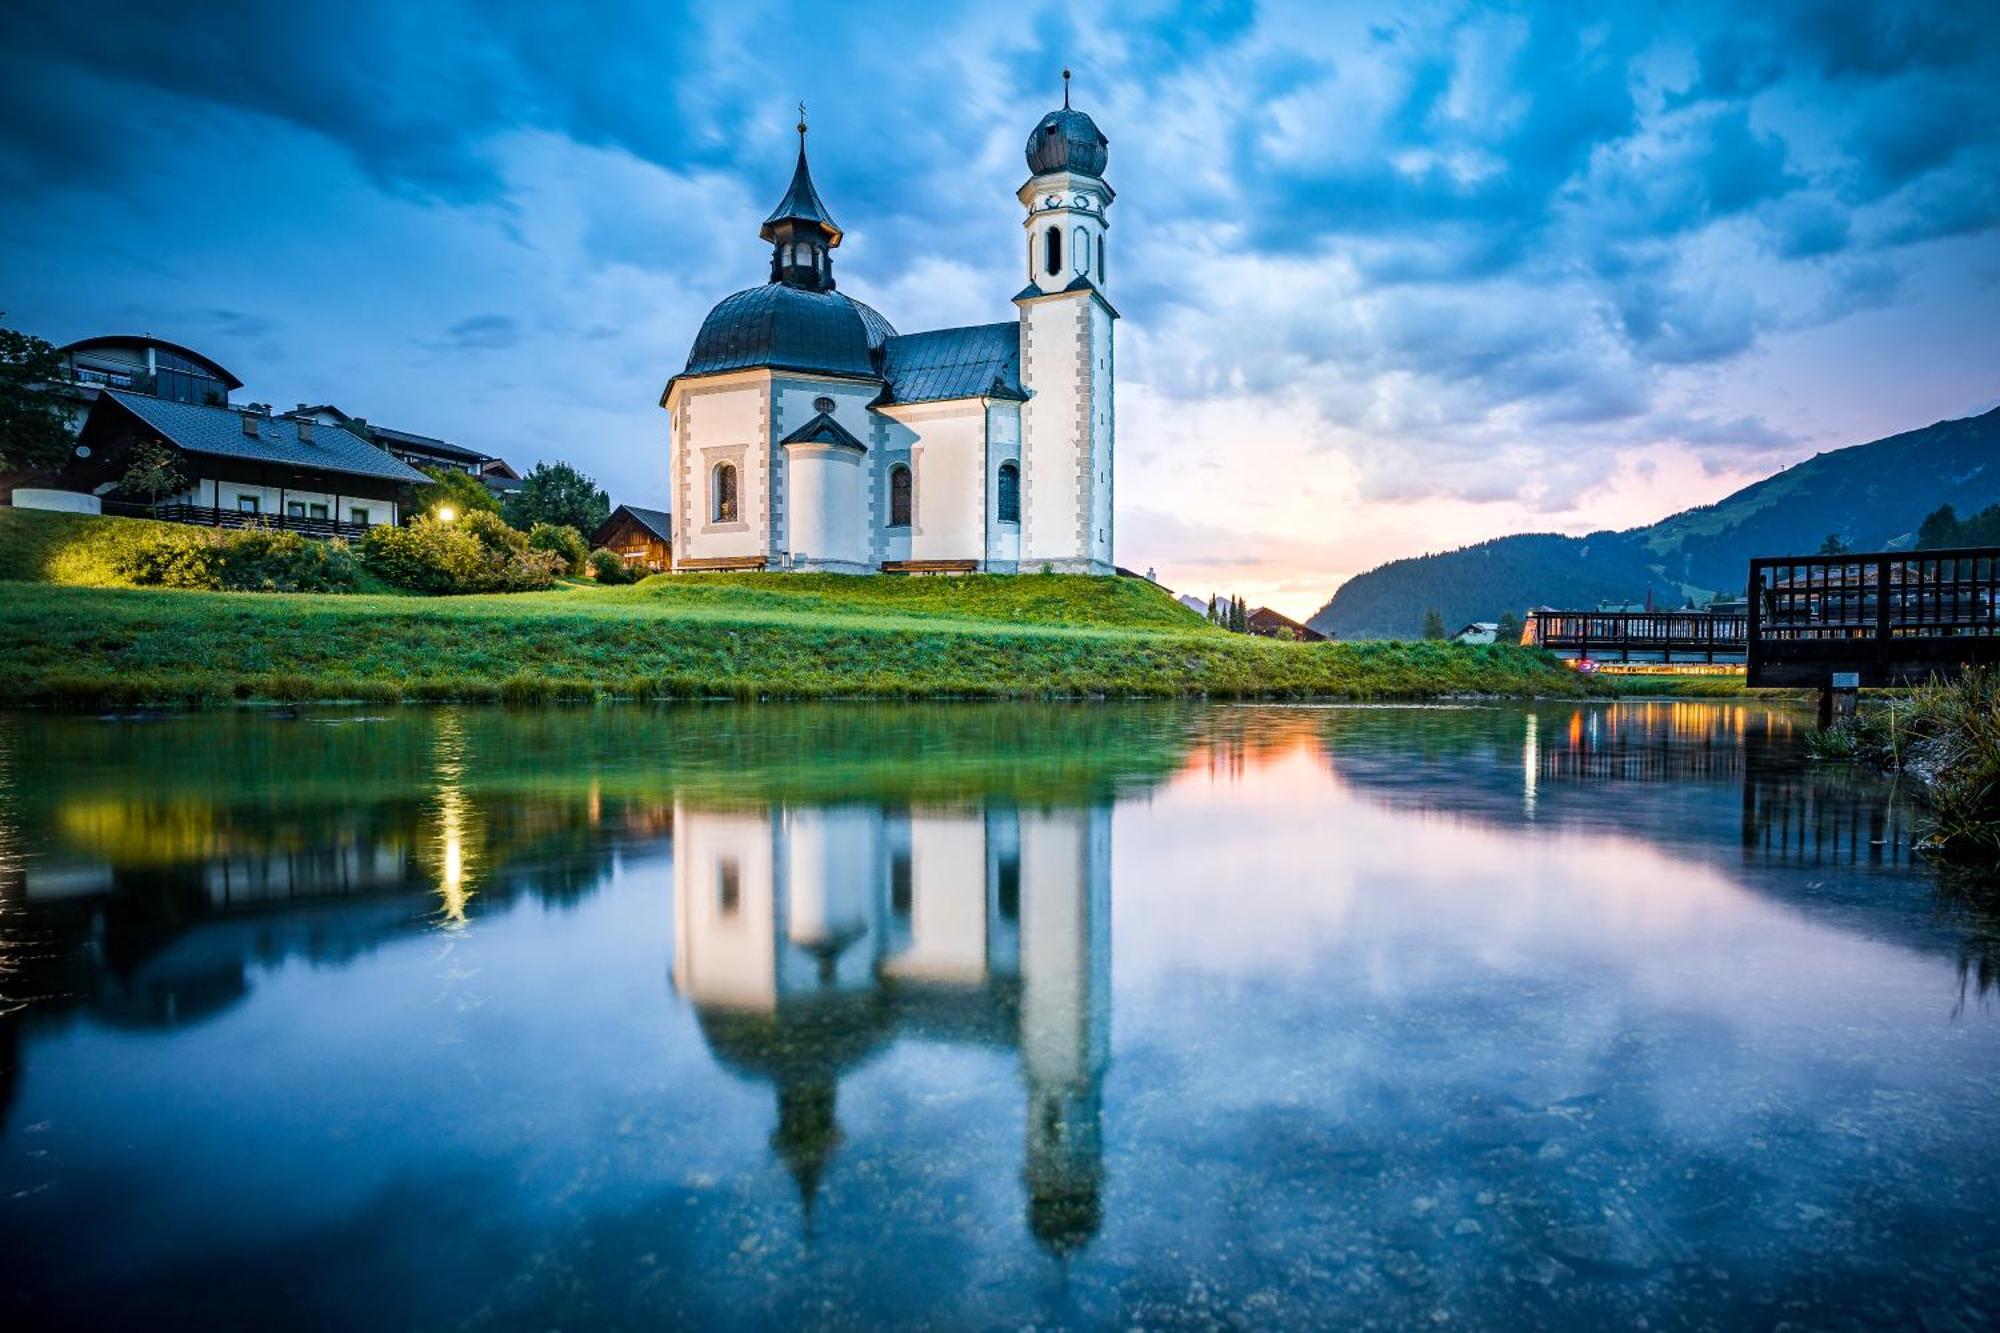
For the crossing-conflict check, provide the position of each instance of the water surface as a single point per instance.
(983, 1017)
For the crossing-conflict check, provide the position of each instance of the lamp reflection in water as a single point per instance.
(450, 834)
(808, 939)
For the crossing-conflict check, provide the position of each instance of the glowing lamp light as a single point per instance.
(446, 513)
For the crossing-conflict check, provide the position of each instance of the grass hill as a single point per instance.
(1873, 496)
(66, 643)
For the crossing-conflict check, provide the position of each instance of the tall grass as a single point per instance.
(1947, 738)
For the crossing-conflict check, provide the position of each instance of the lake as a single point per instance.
(984, 1017)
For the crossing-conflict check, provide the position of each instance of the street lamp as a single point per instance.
(446, 513)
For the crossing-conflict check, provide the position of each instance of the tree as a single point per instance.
(566, 542)
(152, 472)
(1433, 624)
(1833, 545)
(1510, 628)
(461, 492)
(1939, 529)
(1211, 608)
(35, 439)
(558, 493)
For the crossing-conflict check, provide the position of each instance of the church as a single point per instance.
(806, 433)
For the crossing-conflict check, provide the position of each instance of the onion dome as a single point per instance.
(1068, 140)
(783, 327)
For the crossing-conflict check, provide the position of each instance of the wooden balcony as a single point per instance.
(209, 517)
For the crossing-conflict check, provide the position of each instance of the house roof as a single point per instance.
(428, 443)
(218, 432)
(1265, 616)
(656, 521)
(823, 429)
(981, 361)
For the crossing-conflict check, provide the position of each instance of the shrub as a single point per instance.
(461, 491)
(170, 557)
(562, 540)
(261, 560)
(608, 567)
(478, 553)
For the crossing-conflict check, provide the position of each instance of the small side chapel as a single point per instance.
(806, 433)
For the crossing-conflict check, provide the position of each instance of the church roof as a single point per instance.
(982, 361)
(789, 328)
(1068, 140)
(802, 203)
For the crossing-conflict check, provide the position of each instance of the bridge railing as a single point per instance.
(1604, 634)
(1890, 617)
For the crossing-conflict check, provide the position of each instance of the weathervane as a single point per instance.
(802, 120)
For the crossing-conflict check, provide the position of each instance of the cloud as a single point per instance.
(1442, 271)
(480, 333)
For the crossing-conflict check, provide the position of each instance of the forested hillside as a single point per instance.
(1871, 496)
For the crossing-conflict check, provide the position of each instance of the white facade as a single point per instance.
(285, 501)
(1000, 436)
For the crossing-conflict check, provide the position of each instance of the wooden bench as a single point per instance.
(930, 566)
(720, 563)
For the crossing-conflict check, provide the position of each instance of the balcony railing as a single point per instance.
(1702, 635)
(209, 517)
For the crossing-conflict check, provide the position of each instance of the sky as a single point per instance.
(1393, 278)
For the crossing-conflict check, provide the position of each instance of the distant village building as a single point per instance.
(424, 451)
(643, 538)
(806, 433)
(1479, 631)
(1276, 625)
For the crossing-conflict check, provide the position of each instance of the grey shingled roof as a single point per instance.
(218, 431)
(802, 204)
(983, 361)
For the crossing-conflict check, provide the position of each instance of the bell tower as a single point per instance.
(1067, 424)
(801, 232)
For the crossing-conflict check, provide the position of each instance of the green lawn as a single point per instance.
(66, 644)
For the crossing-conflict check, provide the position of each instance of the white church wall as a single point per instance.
(948, 467)
(722, 421)
(894, 442)
(823, 499)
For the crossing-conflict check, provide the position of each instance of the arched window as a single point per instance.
(899, 496)
(1100, 259)
(1052, 251)
(1083, 252)
(1010, 493)
(722, 493)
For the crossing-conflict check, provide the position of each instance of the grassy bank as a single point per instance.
(1946, 738)
(772, 636)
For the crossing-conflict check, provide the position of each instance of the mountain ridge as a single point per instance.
(1873, 496)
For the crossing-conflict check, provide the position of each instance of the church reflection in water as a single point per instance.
(809, 938)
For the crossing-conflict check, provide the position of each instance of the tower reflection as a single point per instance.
(809, 938)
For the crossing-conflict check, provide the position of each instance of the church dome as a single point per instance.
(1068, 140)
(783, 327)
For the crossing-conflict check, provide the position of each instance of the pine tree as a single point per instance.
(1433, 624)
(1211, 608)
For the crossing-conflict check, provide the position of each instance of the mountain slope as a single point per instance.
(1873, 495)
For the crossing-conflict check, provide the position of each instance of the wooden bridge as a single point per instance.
(1707, 637)
(1883, 618)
